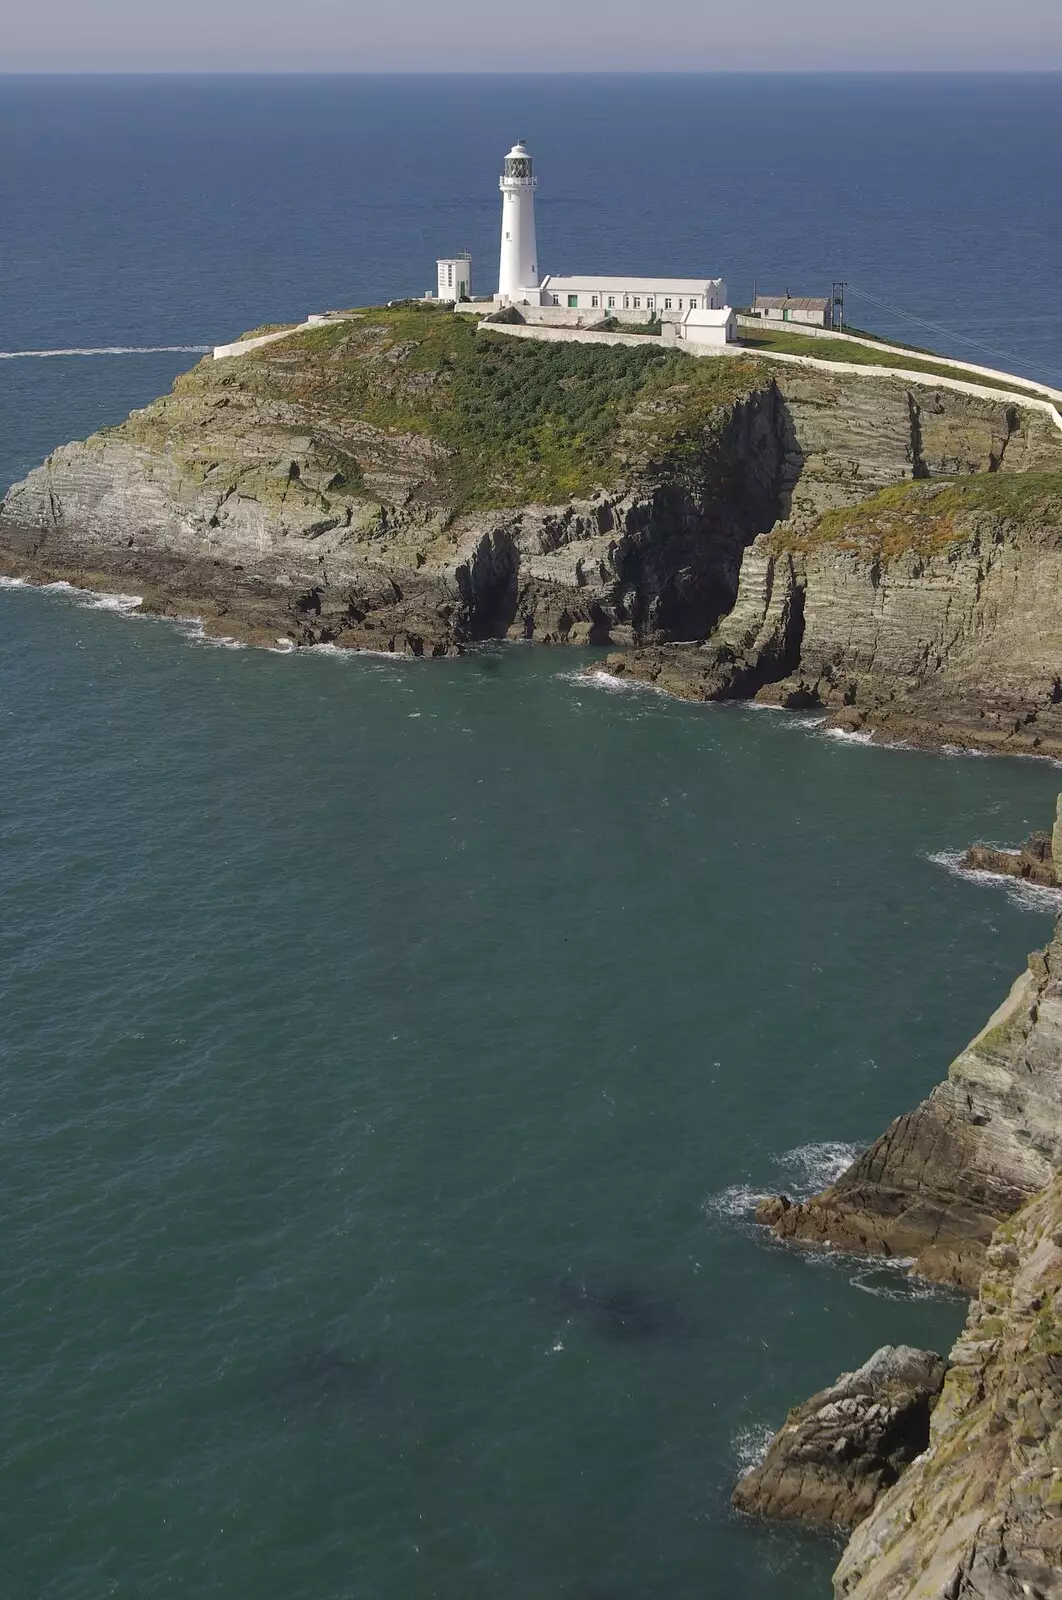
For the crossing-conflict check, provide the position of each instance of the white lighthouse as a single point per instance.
(518, 271)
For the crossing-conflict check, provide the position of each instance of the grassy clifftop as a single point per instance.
(511, 421)
(927, 519)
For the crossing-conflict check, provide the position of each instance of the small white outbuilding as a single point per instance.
(702, 326)
(455, 277)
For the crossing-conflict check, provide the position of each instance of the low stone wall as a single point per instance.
(240, 347)
(898, 350)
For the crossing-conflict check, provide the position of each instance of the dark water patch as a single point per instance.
(621, 1310)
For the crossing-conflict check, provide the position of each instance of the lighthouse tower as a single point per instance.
(518, 271)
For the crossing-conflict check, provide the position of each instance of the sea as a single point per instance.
(392, 1051)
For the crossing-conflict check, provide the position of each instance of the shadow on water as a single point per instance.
(620, 1310)
(324, 1381)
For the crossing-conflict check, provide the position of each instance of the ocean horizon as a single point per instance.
(395, 1050)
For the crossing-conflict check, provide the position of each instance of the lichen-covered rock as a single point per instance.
(395, 480)
(937, 1182)
(840, 1450)
(978, 1516)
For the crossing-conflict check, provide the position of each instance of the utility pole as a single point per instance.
(839, 287)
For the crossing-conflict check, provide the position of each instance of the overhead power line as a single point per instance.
(936, 327)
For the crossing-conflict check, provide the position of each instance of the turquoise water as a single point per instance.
(391, 1049)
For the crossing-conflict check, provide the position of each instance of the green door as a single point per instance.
(573, 300)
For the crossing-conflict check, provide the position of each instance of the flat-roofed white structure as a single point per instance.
(455, 277)
(649, 297)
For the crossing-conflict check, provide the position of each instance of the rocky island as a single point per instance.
(887, 549)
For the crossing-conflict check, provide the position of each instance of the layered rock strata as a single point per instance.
(354, 484)
(940, 1178)
(397, 481)
(978, 1516)
(841, 1449)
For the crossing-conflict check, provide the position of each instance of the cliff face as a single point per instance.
(836, 1454)
(399, 481)
(918, 609)
(937, 1182)
(979, 1515)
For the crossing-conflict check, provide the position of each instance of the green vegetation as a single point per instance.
(924, 519)
(520, 420)
(786, 342)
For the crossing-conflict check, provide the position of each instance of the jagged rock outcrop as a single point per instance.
(978, 1516)
(928, 616)
(937, 1182)
(1035, 861)
(924, 611)
(841, 1449)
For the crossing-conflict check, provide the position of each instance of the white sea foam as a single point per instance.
(802, 1172)
(14, 583)
(598, 678)
(750, 1443)
(740, 1200)
(891, 1280)
(848, 735)
(1032, 896)
(811, 1167)
(111, 350)
(111, 602)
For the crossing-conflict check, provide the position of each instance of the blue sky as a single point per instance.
(548, 35)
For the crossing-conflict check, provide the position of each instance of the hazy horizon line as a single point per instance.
(538, 72)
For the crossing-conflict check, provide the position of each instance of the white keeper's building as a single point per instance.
(689, 308)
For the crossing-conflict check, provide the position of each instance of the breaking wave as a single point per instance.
(801, 1172)
(811, 1167)
(111, 350)
(598, 678)
(848, 735)
(1032, 896)
(750, 1443)
(740, 1200)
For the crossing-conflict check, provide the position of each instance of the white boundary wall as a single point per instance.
(923, 379)
(315, 320)
(899, 350)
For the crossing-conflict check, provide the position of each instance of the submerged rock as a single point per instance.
(630, 1313)
(842, 1448)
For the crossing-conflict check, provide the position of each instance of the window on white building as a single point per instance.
(637, 301)
(650, 302)
(626, 302)
(556, 299)
(667, 302)
(612, 299)
(595, 300)
(680, 305)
